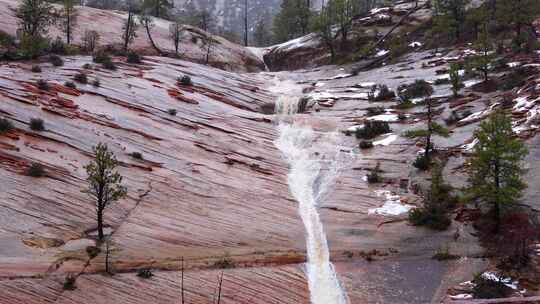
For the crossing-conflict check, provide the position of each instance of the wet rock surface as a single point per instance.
(224, 54)
(212, 186)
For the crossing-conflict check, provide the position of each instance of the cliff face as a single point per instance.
(224, 54)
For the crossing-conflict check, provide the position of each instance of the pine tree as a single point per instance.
(485, 46)
(175, 33)
(455, 79)
(432, 127)
(452, 14)
(35, 17)
(104, 183)
(261, 34)
(129, 29)
(518, 14)
(68, 14)
(322, 23)
(496, 171)
(344, 11)
(158, 8)
(292, 21)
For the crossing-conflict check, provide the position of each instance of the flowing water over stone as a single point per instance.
(314, 158)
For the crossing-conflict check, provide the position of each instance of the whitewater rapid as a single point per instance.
(315, 159)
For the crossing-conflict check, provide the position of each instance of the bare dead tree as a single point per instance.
(182, 280)
(219, 287)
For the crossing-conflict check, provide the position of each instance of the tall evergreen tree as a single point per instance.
(432, 127)
(129, 29)
(35, 17)
(292, 21)
(451, 13)
(104, 183)
(68, 15)
(496, 170)
(158, 8)
(485, 47)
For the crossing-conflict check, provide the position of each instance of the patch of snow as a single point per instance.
(385, 117)
(415, 44)
(392, 205)
(366, 85)
(472, 82)
(470, 146)
(378, 10)
(319, 84)
(514, 64)
(463, 296)
(382, 53)
(386, 141)
(341, 76)
(506, 281)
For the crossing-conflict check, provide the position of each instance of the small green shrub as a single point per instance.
(92, 251)
(36, 69)
(56, 60)
(42, 85)
(486, 288)
(37, 124)
(224, 263)
(70, 283)
(185, 80)
(5, 125)
(70, 84)
(109, 65)
(81, 78)
(133, 57)
(373, 111)
(101, 57)
(137, 155)
(420, 88)
(421, 163)
(515, 79)
(444, 254)
(145, 273)
(372, 129)
(433, 219)
(172, 112)
(36, 170)
(380, 93)
(374, 176)
(58, 46)
(366, 144)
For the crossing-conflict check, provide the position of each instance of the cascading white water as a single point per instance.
(314, 159)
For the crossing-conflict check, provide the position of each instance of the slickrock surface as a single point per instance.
(212, 187)
(224, 54)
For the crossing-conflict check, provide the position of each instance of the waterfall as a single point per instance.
(314, 159)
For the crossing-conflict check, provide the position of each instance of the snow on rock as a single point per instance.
(382, 53)
(478, 115)
(392, 206)
(470, 146)
(388, 117)
(225, 54)
(379, 10)
(415, 44)
(340, 76)
(386, 141)
(495, 277)
(463, 296)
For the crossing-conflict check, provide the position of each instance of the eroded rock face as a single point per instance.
(224, 55)
(212, 188)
